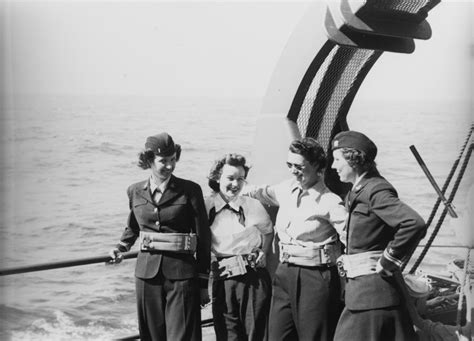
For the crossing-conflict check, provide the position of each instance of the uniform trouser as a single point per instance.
(388, 324)
(240, 306)
(168, 309)
(306, 303)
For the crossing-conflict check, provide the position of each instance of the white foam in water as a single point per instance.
(64, 328)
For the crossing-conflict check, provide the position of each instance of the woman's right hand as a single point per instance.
(115, 256)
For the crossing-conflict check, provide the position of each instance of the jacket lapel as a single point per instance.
(171, 192)
(349, 203)
(144, 191)
(354, 193)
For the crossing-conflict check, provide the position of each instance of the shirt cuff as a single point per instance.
(390, 262)
(123, 247)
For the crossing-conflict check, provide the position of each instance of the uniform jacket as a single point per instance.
(379, 221)
(181, 209)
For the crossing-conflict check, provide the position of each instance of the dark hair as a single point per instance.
(232, 159)
(147, 157)
(358, 159)
(311, 150)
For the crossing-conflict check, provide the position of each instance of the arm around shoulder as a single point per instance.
(266, 194)
(337, 214)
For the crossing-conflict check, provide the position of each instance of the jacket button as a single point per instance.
(157, 223)
(155, 210)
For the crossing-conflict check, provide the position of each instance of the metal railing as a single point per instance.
(63, 264)
(85, 261)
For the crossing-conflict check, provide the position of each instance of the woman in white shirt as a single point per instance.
(242, 234)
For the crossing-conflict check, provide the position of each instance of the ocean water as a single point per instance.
(67, 161)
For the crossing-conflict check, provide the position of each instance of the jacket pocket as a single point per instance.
(361, 209)
(178, 201)
(139, 202)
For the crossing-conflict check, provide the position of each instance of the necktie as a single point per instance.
(298, 198)
(156, 195)
(349, 199)
(240, 213)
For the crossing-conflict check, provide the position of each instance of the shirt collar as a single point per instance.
(161, 187)
(356, 182)
(314, 190)
(219, 202)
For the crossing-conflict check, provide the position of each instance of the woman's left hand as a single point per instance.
(261, 260)
(383, 272)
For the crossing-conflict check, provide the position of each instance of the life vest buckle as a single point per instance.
(340, 268)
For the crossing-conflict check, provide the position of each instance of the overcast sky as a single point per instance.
(198, 48)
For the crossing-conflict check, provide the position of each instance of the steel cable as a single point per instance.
(445, 211)
(443, 190)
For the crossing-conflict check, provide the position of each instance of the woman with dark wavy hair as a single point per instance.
(306, 287)
(168, 218)
(381, 231)
(242, 233)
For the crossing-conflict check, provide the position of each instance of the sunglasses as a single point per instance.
(298, 167)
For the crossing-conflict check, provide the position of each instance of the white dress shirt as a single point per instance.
(317, 219)
(229, 236)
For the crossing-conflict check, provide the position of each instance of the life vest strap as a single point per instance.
(174, 242)
(228, 267)
(310, 256)
(360, 264)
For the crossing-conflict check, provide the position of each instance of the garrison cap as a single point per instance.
(356, 140)
(161, 144)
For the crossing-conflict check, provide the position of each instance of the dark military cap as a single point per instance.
(356, 140)
(161, 144)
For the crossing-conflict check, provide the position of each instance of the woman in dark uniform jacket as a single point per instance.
(168, 215)
(381, 231)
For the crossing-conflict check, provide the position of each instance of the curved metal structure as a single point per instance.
(358, 33)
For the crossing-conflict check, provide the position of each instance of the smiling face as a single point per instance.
(163, 166)
(306, 174)
(344, 170)
(232, 181)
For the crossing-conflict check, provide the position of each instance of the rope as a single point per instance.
(445, 210)
(461, 290)
(443, 190)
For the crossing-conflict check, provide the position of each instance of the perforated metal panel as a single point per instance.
(412, 7)
(333, 81)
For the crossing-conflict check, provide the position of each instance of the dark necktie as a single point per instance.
(349, 199)
(240, 213)
(298, 198)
